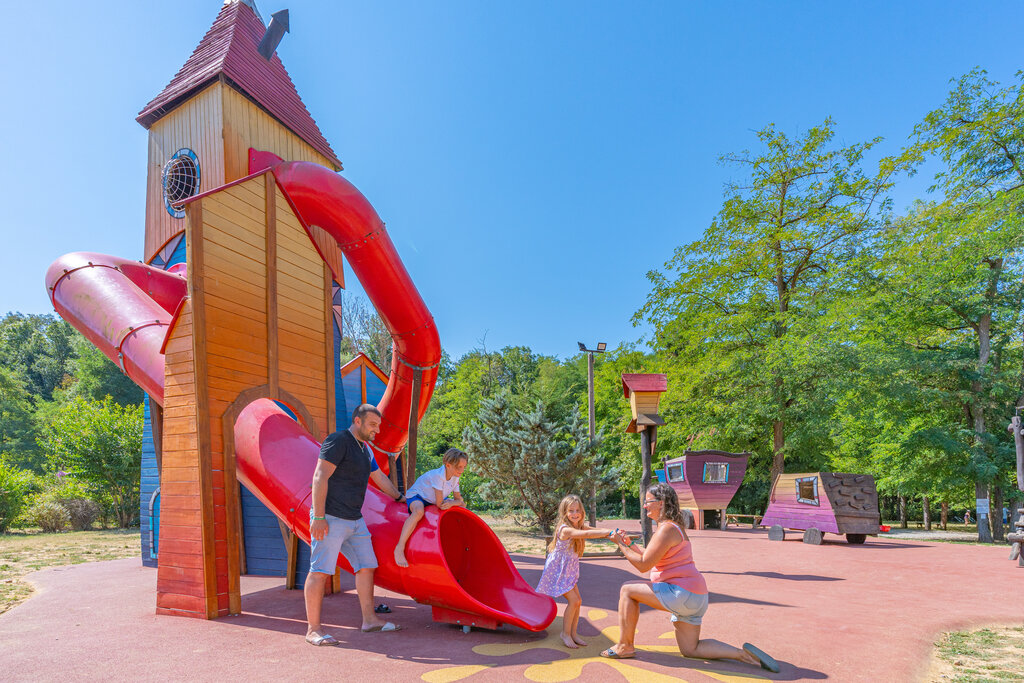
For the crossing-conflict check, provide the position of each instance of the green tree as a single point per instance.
(529, 460)
(971, 242)
(741, 316)
(94, 376)
(17, 428)
(99, 442)
(39, 349)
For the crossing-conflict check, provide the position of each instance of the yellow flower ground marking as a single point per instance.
(570, 663)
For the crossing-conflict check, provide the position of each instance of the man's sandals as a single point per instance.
(321, 639)
(386, 627)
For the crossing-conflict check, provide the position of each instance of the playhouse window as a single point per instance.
(716, 472)
(675, 472)
(180, 180)
(807, 490)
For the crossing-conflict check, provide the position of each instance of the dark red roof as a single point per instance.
(229, 49)
(644, 382)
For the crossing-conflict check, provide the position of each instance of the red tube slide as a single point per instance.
(456, 563)
(123, 307)
(323, 198)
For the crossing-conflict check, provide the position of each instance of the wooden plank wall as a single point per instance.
(644, 402)
(785, 510)
(258, 321)
(305, 341)
(196, 124)
(186, 544)
(247, 125)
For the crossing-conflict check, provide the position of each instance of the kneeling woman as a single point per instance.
(675, 586)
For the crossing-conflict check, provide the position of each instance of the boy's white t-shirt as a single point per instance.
(434, 479)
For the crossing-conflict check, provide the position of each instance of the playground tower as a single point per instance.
(258, 319)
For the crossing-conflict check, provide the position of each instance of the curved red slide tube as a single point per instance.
(455, 560)
(123, 307)
(323, 198)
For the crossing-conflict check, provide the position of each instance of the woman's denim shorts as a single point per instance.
(684, 605)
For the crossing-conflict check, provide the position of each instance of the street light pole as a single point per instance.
(601, 347)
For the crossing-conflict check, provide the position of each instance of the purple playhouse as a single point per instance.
(820, 502)
(705, 481)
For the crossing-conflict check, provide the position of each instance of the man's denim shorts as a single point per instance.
(347, 536)
(684, 605)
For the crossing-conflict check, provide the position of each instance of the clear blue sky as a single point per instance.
(532, 160)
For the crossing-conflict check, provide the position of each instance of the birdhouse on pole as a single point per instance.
(644, 391)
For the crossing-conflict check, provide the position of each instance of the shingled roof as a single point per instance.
(643, 382)
(228, 50)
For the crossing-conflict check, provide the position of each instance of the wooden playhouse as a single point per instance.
(706, 481)
(824, 502)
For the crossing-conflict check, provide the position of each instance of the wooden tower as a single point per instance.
(259, 318)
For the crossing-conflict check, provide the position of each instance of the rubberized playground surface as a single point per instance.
(839, 612)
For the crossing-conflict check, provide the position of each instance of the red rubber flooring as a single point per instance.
(830, 612)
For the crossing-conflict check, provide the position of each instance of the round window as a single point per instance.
(180, 180)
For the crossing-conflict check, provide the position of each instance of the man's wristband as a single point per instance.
(316, 518)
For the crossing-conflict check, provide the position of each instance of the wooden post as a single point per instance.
(1018, 442)
(417, 380)
(646, 436)
(591, 420)
(393, 469)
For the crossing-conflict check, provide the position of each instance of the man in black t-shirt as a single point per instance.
(336, 523)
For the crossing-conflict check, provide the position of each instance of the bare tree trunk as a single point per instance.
(997, 512)
(623, 503)
(927, 509)
(945, 514)
(903, 511)
(778, 442)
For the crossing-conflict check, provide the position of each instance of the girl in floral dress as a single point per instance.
(562, 568)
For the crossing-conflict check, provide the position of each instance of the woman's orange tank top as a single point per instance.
(677, 567)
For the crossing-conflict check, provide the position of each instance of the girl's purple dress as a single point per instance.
(561, 569)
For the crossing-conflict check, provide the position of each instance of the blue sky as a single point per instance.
(532, 160)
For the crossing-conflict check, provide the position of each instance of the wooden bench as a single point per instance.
(754, 520)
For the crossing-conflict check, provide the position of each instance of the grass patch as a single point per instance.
(993, 654)
(25, 551)
(515, 537)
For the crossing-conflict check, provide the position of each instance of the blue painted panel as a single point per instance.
(374, 388)
(180, 253)
(148, 485)
(265, 554)
(286, 409)
(341, 408)
(353, 394)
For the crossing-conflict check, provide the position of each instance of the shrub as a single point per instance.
(48, 515)
(15, 486)
(82, 512)
(75, 497)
